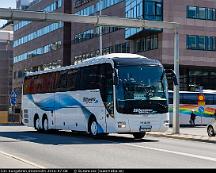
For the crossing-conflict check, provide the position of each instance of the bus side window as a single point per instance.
(62, 81)
(89, 77)
(73, 80)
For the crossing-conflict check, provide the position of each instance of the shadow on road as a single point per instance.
(67, 138)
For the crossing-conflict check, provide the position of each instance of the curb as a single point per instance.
(185, 137)
(10, 124)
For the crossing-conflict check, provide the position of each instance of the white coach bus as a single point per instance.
(116, 93)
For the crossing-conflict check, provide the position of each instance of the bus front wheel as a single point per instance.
(139, 135)
(93, 127)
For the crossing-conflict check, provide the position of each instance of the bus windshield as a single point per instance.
(141, 89)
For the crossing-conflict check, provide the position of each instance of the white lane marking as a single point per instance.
(175, 152)
(22, 160)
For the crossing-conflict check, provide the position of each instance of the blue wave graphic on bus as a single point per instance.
(60, 101)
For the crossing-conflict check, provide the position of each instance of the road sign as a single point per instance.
(13, 98)
(201, 109)
(201, 100)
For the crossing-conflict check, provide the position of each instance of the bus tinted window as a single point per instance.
(90, 77)
(62, 81)
(73, 80)
(39, 84)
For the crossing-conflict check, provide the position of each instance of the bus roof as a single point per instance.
(98, 60)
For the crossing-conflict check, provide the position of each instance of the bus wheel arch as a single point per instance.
(36, 122)
(92, 125)
(45, 124)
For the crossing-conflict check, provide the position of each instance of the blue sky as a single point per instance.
(7, 4)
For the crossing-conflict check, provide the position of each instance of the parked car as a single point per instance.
(211, 128)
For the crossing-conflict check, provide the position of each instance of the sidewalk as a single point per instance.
(187, 133)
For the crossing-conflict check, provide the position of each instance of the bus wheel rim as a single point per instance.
(94, 128)
(45, 124)
(37, 124)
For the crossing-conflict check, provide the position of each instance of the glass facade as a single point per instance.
(203, 13)
(142, 9)
(92, 33)
(38, 33)
(101, 4)
(205, 43)
(50, 8)
(39, 51)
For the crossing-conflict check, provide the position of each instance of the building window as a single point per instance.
(153, 10)
(38, 51)
(203, 13)
(206, 43)
(147, 43)
(142, 9)
(50, 8)
(191, 42)
(191, 12)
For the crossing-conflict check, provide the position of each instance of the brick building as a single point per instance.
(42, 45)
(6, 62)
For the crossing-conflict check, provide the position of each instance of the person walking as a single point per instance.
(192, 118)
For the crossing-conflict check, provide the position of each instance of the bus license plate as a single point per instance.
(145, 128)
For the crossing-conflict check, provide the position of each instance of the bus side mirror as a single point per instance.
(172, 74)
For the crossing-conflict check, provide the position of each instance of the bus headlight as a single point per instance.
(122, 124)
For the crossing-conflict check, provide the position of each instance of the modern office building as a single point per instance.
(41, 45)
(6, 64)
(197, 35)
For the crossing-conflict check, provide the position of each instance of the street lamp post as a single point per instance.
(100, 31)
(176, 97)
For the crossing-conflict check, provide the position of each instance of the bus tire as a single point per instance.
(45, 123)
(139, 135)
(36, 122)
(210, 131)
(93, 126)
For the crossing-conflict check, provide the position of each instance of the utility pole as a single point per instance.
(176, 96)
(101, 31)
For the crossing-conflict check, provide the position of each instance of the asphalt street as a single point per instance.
(23, 147)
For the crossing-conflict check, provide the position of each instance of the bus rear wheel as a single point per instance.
(139, 135)
(37, 123)
(45, 125)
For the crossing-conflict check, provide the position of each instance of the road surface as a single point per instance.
(23, 147)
